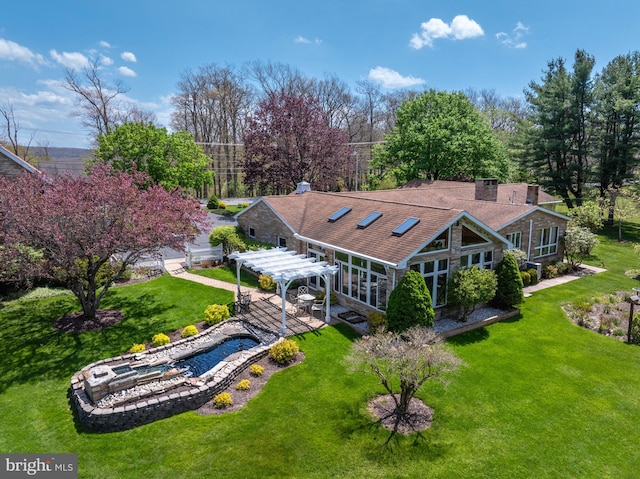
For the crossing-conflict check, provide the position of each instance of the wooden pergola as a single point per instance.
(286, 266)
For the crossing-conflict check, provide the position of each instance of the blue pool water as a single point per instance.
(204, 361)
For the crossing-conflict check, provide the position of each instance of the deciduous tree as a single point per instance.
(80, 224)
(403, 362)
(171, 159)
(288, 140)
(440, 135)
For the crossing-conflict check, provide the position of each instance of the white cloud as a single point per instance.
(104, 44)
(128, 57)
(106, 61)
(392, 79)
(514, 40)
(72, 60)
(126, 71)
(12, 51)
(461, 28)
(301, 39)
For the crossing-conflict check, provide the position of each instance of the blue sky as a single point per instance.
(446, 45)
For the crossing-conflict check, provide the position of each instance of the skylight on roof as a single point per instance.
(405, 226)
(369, 219)
(339, 214)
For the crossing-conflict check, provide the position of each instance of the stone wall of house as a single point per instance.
(9, 167)
(267, 226)
(532, 223)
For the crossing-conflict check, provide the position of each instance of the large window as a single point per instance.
(361, 279)
(546, 241)
(436, 274)
(516, 239)
(441, 243)
(482, 259)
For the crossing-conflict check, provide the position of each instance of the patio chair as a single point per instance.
(303, 290)
(318, 305)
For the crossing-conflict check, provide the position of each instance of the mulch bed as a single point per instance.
(418, 418)
(240, 398)
(77, 323)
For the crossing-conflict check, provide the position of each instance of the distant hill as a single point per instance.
(63, 160)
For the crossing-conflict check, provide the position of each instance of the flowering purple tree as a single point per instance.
(288, 140)
(77, 225)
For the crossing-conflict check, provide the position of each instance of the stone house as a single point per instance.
(433, 228)
(13, 165)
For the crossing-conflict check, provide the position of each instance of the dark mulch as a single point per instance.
(240, 398)
(418, 418)
(78, 323)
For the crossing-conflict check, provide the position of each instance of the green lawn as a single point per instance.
(224, 273)
(538, 397)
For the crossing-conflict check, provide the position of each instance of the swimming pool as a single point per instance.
(200, 363)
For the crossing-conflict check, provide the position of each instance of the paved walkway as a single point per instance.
(548, 283)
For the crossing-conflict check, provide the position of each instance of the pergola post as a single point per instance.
(238, 266)
(327, 298)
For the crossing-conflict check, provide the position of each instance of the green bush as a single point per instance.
(509, 290)
(212, 204)
(534, 275)
(189, 331)
(549, 271)
(470, 287)
(160, 340)
(267, 283)
(243, 385)
(377, 322)
(222, 400)
(216, 313)
(410, 304)
(563, 268)
(284, 351)
(526, 278)
(256, 370)
(137, 348)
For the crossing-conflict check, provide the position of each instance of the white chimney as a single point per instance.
(302, 187)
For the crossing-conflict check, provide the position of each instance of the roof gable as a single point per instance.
(308, 214)
(16, 163)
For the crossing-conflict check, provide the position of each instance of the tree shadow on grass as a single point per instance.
(471, 337)
(34, 349)
(353, 423)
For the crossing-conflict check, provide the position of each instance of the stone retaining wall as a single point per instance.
(480, 324)
(196, 392)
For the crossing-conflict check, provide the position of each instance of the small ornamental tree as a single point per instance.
(228, 237)
(588, 215)
(410, 304)
(402, 362)
(470, 287)
(578, 243)
(509, 289)
(80, 224)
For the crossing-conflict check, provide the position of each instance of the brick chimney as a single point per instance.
(487, 189)
(532, 194)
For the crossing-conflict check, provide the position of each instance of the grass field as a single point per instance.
(538, 397)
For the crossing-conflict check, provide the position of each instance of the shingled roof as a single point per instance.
(308, 215)
(508, 193)
(495, 214)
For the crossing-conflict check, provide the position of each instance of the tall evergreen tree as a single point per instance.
(560, 121)
(618, 121)
(410, 304)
